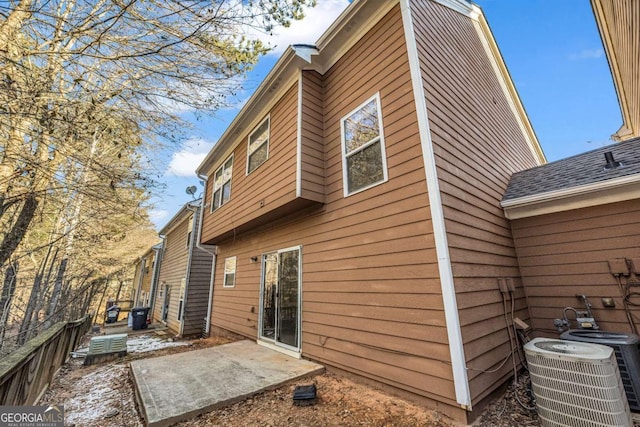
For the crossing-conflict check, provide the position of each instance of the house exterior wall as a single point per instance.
(137, 276)
(148, 272)
(371, 298)
(254, 199)
(312, 137)
(142, 278)
(172, 272)
(478, 144)
(198, 287)
(565, 254)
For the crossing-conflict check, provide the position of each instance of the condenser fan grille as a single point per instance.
(576, 384)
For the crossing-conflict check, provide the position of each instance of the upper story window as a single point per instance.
(222, 184)
(364, 162)
(258, 151)
(229, 272)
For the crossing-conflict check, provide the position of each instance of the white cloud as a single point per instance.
(308, 30)
(587, 54)
(185, 161)
(157, 215)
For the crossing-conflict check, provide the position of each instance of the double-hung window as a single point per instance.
(258, 150)
(222, 184)
(229, 272)
(364, 162)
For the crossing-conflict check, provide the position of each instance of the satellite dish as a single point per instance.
(191, 189)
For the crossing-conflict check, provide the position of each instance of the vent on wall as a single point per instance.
(576, 384)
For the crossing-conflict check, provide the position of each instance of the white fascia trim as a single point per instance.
(348, 29)
(305, 51)
(509, 89)
(599, 193)
(299, 140)
(454, 331)
(461, 6)
(605, 35)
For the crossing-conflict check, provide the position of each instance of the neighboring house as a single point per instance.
(619, 25)
(184, 282)
(146, 276)
(575, 223)
(354, 203)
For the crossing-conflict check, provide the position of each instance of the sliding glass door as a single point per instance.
(280, 298)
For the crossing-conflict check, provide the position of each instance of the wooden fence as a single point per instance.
(26, 373)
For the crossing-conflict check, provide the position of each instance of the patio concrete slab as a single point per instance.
(180, 386)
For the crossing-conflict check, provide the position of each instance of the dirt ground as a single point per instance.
(103, 396)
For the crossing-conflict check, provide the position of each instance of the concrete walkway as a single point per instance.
(180, 386)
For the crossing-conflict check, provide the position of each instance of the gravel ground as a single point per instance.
(103, 396)
(514, 408)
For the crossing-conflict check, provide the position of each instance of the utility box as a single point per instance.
(105, 348)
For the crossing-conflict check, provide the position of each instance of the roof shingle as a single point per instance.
(576, 171)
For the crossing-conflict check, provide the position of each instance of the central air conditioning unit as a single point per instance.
(576, 384)
(105, 348)
(627, 350)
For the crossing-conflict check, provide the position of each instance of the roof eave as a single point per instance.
(288, 62)
(598, 193)
(627, 130)
(351, 25)
(178, 217)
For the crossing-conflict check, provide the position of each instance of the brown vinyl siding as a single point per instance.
(269, 187)
(177, 263)
(148, 272)
(619, 24)
(477, 145)
(565, 254)
(371, 299)
(173, 270)
(312, 150)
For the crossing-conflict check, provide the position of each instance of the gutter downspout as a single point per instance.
(210, 249)
(454, 331)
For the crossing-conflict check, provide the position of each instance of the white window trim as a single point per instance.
(224, 272)
(383, 152)
(214, 189)
(268, 142)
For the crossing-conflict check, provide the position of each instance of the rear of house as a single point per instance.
(354, 203)
(185, 276)
(143, 279)
(576, 226)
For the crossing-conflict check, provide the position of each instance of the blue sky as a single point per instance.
(552, 50)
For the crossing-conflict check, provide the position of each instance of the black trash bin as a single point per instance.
(112, 314)
(139, 318)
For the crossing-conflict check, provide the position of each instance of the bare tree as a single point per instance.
(76, 73)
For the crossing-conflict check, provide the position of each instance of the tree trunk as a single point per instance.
(31, 311)
(57, 288)
(8, 290)
(13, 238)
(104, 293)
